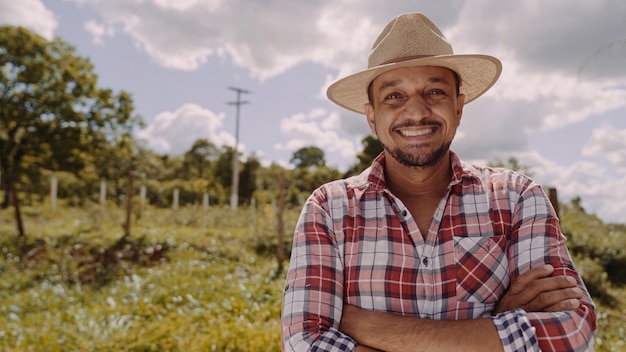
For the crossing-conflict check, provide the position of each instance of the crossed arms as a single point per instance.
(544, 307)
(533, 291)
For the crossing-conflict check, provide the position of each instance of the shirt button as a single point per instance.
(404, 212)
(425, 261)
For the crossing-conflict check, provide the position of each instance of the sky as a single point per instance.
(559, 106)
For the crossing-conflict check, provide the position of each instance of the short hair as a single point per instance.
(457, 83)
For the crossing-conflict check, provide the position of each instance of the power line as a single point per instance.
(234, 197)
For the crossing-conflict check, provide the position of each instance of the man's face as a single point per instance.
(415, 112)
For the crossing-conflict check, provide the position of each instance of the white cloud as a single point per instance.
(601, 191)
(555, 36)
(609, 142)
(186, 5)
(31, 14)
(312, 129)
(563, 99)
(99, 31)
(555, 55)
(175, 132)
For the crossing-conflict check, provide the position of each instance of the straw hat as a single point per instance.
(414, 40)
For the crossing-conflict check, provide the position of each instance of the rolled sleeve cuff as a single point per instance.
(330, 341)
(515, 331)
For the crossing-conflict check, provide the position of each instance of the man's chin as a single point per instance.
(418, 159)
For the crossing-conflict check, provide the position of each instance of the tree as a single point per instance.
(247, 178)
(52, 109)
(223, 171)
(307, 157)
(513, 164)
(371, 149)
(199, 160)
(114, 162)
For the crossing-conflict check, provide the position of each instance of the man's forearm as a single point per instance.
(390, 332)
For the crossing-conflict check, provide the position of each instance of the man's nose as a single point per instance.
(416, 107)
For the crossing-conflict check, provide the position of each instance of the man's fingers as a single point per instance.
(537, 291)
(530, 277)
(550, 284)
(556, 300)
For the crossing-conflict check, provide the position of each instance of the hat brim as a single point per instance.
(478, 73)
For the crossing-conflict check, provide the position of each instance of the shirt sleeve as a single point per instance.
(313, 295)
(536, 239)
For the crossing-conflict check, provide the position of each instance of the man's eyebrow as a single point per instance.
(439, 80)
(390, 84)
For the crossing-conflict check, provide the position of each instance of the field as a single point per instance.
(185, 280)
(188, 280)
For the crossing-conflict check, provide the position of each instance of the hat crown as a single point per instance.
(406, 37)
(412, 40)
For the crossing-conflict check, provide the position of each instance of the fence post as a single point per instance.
(129, 202)
(103, 192)
(142, 196)
(554, 199)
(205, 200)
(175, 199)
(53, 192)
(280, 248)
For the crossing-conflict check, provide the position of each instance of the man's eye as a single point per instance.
(436, 92)
(392, 96)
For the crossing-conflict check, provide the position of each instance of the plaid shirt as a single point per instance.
(356, 243)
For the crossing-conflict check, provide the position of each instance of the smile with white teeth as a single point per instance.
(415, 133)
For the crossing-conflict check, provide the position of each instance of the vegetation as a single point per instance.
(190, 280)
(199, 280)
(52, 113)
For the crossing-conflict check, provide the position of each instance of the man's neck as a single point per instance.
(415, 183)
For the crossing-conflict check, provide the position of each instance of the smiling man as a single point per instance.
(423, 251)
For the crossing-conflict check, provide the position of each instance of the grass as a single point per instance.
(186, 280)
(79, 285)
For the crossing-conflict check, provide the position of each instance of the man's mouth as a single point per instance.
(415, 132)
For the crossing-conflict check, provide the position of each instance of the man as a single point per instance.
(423, 251)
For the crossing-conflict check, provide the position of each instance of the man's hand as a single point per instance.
(536, 291)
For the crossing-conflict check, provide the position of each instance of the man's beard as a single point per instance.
(418, 159)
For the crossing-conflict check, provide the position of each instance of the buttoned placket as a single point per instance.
(430, 254)
(412, 231)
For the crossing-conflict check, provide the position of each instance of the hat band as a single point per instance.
(405, 58)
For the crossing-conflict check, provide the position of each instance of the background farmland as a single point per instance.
(196, 280)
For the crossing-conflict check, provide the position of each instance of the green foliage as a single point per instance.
(193, 279)
(69, 186)
(224, 168)
(589, 237)
(304, 181)
(190, 280)
(247, 179)
(599, 252)
(371, 148)
(50, 105)
(513, 164)
(199, 160)
(308, 157)
(52, 114)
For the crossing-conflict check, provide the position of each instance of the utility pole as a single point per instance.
(234, 197)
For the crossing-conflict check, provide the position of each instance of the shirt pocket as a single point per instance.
(482, 274)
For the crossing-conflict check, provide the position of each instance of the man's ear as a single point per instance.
(369, 113)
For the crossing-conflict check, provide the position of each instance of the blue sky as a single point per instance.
(559, 106)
